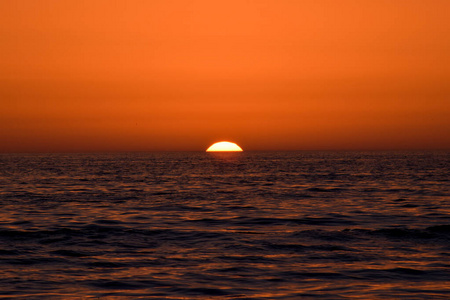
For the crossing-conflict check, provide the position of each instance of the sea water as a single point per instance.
(251, 225)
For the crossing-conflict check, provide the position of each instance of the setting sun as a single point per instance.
(224, 146)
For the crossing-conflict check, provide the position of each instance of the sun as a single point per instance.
(223, 146)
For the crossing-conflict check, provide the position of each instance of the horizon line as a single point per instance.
(203, 151)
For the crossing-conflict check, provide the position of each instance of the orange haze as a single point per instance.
(267, 74)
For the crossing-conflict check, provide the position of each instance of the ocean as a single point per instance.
(249, 225)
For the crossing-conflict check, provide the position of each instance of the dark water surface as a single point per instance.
(252, 225)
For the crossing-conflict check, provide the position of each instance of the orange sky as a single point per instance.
(180, 75)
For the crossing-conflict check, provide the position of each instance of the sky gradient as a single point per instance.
(181, 75)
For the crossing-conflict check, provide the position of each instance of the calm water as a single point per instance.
(275, 225)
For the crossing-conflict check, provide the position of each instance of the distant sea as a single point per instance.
(250, 225)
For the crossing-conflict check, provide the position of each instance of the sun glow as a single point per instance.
(223, 146)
